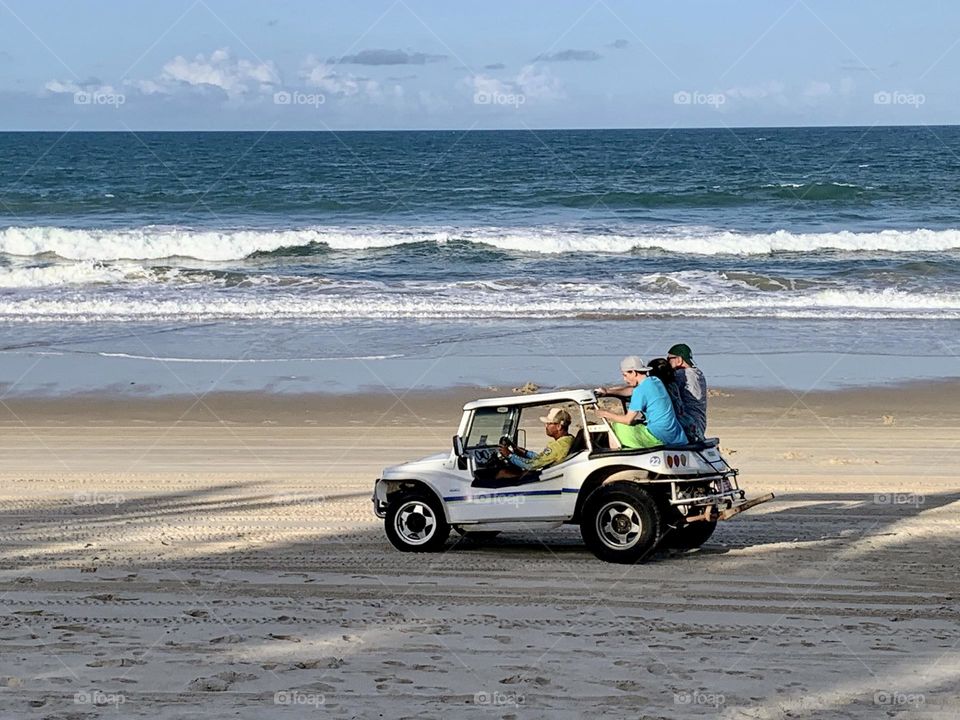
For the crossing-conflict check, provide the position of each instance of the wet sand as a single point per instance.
(217, 557)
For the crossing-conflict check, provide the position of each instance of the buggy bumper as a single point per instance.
(713, 512)
(379, 499)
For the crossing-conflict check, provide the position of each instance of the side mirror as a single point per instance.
(459, 451)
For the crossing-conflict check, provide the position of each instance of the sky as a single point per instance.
(427, 64)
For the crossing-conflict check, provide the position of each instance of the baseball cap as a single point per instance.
(556, 415)
(682, 350)
(632, 362)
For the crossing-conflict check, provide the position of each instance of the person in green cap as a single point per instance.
(693, 388)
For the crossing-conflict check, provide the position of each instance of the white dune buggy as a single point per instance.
(626, 502)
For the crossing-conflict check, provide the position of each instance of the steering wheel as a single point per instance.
(488, 457)
(507, 441)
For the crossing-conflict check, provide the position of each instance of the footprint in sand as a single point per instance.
(116, 662)
(109, 597)
(518, 678)
(330, 662)
(227, 640)
(288, 638)
(219, 682)
(627, 685)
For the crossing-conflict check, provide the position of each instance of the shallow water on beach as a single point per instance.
(393, 357)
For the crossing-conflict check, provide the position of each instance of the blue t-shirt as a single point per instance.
(652, 399)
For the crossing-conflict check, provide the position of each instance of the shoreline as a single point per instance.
(906, 402)
(295, 359)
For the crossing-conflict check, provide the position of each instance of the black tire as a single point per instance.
(415, 522)
(620, 523)
(687, 536)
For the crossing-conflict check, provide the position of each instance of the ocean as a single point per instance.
(335, 261)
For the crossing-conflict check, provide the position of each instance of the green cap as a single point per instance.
(682, 350)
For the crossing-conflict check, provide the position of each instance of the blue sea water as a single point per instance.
(412, 246)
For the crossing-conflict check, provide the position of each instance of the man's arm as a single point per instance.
(616, 390)
(507, 450)
(519, 461)
(554, 452)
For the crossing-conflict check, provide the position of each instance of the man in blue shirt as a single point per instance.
(650, 401)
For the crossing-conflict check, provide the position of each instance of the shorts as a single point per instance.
(634, 436)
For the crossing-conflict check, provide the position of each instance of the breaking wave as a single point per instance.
(155, 243)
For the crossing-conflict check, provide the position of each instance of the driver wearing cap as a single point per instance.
(556, 423)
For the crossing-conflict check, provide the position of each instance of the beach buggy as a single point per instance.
(627, 502)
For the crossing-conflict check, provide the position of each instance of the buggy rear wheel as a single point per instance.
(620, 523)
(688, 536)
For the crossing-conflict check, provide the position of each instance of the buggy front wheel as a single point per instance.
(415, 522)
(620, 523)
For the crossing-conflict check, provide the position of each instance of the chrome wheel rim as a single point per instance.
(415, 522)
(619, 525)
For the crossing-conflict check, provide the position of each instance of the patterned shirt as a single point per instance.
(555, 451)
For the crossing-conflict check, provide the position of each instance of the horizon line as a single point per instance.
(487, 130)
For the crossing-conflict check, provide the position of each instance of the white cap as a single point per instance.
(557, 415)
(632, 362)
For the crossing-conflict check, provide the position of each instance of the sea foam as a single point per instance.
(544, 303)
(154, 243)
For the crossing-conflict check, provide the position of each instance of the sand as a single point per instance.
(176, 558)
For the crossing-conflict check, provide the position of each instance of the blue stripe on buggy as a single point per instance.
(459, 498)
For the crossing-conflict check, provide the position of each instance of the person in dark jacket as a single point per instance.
(692, 385)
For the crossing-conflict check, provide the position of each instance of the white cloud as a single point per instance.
(323, 76)
(817, 89)
(60, 87)
(150, 87)
(538, 84)
(483, 84)
(235, 77)
(532, 82)
(771, 89)
(85, 92)
(810, 93)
